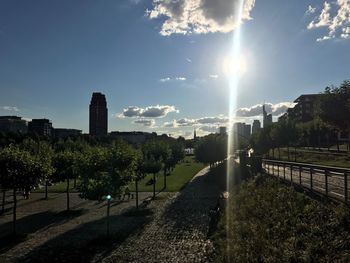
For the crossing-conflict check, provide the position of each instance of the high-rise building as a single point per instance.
(42, 127)
(98, 115)
(222, 130)
(256, 126)
(65, 133)
(13, 124)
(267, 118)
(242, 130)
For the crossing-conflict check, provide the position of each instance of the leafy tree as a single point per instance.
(334, 106)
(152, 166)
(211, 149)
(18, 170)
(43, 153)
(66, 165)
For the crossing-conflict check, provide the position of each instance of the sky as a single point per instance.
(160, 63)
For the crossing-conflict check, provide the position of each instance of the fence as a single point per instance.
(329, 181)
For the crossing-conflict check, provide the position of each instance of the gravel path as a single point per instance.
(179, 231)
(172, 228)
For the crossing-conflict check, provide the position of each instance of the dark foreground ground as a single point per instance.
(173, 228)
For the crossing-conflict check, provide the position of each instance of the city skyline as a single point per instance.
(157, 79)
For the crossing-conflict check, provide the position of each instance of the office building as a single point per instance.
(222, 131)
(98, 115)
(13, 124)
(65, 133)
(267, 118)
(256, 126)
(42, 127)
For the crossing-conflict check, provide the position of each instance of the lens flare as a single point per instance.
(234, 67)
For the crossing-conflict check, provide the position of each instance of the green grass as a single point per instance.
(270, 222)
(314, 157)
(182, 174)
(57, 188)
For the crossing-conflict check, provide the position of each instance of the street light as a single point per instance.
(109, 198)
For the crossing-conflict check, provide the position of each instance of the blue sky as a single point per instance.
(160, 63)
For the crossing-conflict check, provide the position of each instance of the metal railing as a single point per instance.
(327, 180)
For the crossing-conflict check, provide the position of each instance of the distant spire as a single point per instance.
(194, 135)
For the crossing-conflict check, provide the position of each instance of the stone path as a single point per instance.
(179, 231)
(175, 230)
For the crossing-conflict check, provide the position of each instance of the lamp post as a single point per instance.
(108, 197)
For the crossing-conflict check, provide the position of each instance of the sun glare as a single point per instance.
(234, 65)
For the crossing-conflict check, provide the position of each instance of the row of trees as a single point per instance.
(330, 116)
(100, 170)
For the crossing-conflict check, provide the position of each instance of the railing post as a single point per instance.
(326, 172)
(273, 169)
(311, 181)
(346, 187)
(278, 170)
(284, 171)
(300, 174)
(291, 173)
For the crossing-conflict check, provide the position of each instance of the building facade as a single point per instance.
(98, 124)
(222, 130)
(256, 126)
(65, 133)
(242, 130)
(13, 124)
(42, 127)
(267, 118)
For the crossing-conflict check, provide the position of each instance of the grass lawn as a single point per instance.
(182, 173)
(57, 188)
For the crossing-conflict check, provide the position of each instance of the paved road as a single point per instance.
(335, 181)
(179, 231)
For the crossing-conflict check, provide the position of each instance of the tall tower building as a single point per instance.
(267, 118)
(98, 115)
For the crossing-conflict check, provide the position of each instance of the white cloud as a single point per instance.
(189, 60)
(186, 122)
(256, 110)
(213, 76)
(158, 111)
(200, 16)
(311, 10)
(172, 79)
(335, 17)
(145, 122)
(9, 108)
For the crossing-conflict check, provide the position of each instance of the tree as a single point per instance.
(43, 153)
(334, 107)
(18, 170)
(211, 149)
(152, 166)
(66, 165)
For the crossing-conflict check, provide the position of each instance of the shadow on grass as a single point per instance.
(89, 241)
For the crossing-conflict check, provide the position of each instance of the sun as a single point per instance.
(234, 65)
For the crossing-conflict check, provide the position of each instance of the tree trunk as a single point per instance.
(3, 200)
(154, 186)
(279, 153)
(137, 193)
(273, 152)
(295, 154)
(46, 192)
(288, 153)
(14, 210)
(67, 194)
(165, 178)
(75, 182)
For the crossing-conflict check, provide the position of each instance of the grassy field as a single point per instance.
(320, 158)
(270, 222)
(182, 173)
(57, 188)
